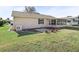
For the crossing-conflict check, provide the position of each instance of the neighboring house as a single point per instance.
(71, 21)
(33, 20)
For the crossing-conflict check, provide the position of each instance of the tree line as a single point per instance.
(4, 21)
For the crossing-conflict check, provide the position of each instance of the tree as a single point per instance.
(30, 9)
(7, 20)
(78, 17)
(1, 18)
(1, 22)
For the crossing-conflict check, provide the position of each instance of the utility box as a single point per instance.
(19, 28)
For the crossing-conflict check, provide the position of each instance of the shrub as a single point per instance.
(4, 21)
(1, 23)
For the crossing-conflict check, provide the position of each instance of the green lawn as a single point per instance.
(63, 40)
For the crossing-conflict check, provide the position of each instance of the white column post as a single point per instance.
(56, 22)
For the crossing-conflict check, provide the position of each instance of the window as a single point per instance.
(59, 22)
(40, 21)
(53, 22)
(64, 21)
(74, 20)
(69, 21)
(49, 22)
(78, 22)
(78, 17)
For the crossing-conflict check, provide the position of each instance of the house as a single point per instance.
(72, 21)
(30, 19)
(23, 20)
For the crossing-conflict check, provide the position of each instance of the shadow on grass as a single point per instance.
(71, 28)
(30, 32)
(2, 26)
(23, 33)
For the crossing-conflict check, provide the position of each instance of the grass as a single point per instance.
(61, 41)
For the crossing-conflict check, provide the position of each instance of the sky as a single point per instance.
(57, 11)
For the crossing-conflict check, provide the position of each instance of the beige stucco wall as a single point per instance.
(29, 20)
(28, 23)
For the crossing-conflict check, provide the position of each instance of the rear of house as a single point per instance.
(23, 20)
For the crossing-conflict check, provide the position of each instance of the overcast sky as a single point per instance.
(57, 11)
